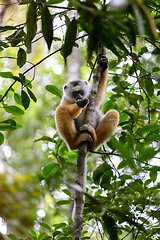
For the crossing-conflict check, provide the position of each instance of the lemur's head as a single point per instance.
(76, 90)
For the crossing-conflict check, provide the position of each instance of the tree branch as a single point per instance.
(83, 153)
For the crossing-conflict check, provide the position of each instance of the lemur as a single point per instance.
(70, 115)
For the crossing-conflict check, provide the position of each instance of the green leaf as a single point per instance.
(59, 225)
(108, 105)
(46, 226)
(17, 98)
(33, 233)
(21, 57)
(66, 191)
(12, 237)
(25, 99)
(31, 22)
(110, 226)
(14, 110)
(6, 74)
(152, 138)
(54, 90)
(42, 236)
(8, 124)
(70, 38)
(6, 28)
(31, 94)
(64, 202)
(1, 138)
(15, 38)
(55, 1)
(50, 169)
(45, 138)
(47, 26)
(147, 154)
(122, 164)
(124, 151)
(153, 175)
(149, 86)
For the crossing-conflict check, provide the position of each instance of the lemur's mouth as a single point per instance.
(78, 95)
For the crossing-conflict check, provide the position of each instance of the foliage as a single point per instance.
(123, 190)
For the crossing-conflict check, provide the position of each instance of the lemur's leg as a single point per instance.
(106, 128)
(67, 130)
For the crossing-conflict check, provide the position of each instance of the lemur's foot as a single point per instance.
(86, 128)
(83, 137)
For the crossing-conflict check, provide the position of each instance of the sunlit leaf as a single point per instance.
(14, 110)
(153, 175)
(66, 191)
(50, 169)
(41, 236)
(6, 74)
(54, 90)
(12, 237)
(1, 138)
(33, 233)
(147, 154)
(46, 226)
(17, 98)
(59, 225)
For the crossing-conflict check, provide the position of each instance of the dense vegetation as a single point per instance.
(36, 168)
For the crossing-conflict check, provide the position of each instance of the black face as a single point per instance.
(78, 94)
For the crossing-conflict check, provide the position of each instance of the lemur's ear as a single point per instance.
(65, 87)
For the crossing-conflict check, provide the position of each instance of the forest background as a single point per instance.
(35, 165)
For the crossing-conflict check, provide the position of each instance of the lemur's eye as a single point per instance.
(81, 92)
(86, 82)
(65, 87)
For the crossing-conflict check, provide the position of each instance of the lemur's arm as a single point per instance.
(76, 108)
(103, 80)
(73, 109)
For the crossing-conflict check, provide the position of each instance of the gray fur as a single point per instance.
(77, 85)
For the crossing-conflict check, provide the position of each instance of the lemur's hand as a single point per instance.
(82, 102)
(103, 62)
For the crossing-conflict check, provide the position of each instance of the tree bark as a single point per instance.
(83, 153)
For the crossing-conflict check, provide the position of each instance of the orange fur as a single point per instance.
(69, 110)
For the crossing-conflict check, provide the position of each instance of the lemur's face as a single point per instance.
(76, 90)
